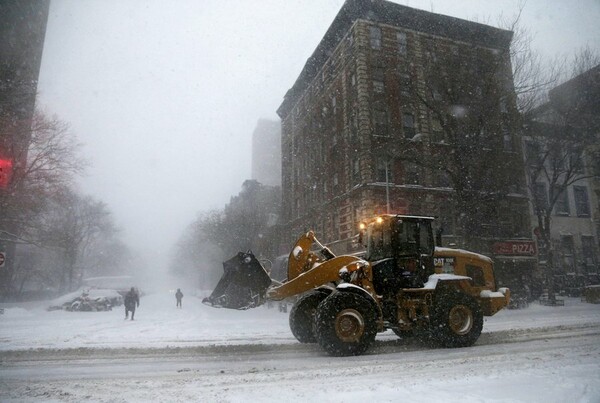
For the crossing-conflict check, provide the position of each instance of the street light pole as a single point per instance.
(387, 186)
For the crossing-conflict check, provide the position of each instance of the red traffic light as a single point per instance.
(6, 170)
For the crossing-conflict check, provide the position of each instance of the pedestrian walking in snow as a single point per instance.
(179, 296)
(132, 300)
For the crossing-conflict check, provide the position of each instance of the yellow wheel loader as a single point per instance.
(401, 282)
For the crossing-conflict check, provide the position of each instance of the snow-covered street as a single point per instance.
(198, 353)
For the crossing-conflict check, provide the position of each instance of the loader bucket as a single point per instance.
(243, 285)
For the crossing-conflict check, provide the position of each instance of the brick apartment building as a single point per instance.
(404, 111)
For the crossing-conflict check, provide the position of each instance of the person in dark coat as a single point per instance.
(179, 296)
(131, 301)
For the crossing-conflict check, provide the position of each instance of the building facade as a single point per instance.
(404, 111)
(563, 152)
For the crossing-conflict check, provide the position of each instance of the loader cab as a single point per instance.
(393, 236)
(400, 249)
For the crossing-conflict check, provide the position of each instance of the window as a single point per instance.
(411, 174)
(435, 94)
(540, 196)
(443, 180)
(503, 105)
(557, 159)
(380, 121)
(561, 207)
(533, 153)
(431, 56)
(334, 104)
(507, 138)
(378, 80)
(576, 162)
(383, 173)
(587, 250)
(595, 164)
(375, 36)
(405, 84)
(507, 142)
(408, 125)
(402, 43)
(581, 200)
(568, 251)
(437, 133)
(356, 171)
(446, 222)
(353, 124)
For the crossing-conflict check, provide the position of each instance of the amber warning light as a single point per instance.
(6, 168)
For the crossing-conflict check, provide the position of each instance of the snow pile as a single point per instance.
(491, 294)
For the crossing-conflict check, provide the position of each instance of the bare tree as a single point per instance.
(45, 160)
(558, 134)
(242, 225)
(197, 256)
(43, 166)
(72, 224)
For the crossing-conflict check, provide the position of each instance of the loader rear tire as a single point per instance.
(457, 320)
(345, 324)
(302, 316)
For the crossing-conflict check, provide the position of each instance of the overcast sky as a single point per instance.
(164, 95)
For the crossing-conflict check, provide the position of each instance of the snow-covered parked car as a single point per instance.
(87, 299)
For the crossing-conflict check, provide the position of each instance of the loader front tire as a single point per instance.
(302, 316)
(457, 320)
(345, 324)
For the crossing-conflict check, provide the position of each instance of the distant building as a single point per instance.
(22, 29)
(266, 152)
(401, 110)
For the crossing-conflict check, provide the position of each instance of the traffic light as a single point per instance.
(6, 171)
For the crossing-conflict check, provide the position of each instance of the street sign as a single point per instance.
(2, 259)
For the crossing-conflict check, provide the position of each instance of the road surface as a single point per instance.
(559, 363)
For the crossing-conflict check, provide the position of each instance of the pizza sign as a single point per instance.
(515, 248)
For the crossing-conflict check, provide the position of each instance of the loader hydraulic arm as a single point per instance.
(301, 259)
(322, 274)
